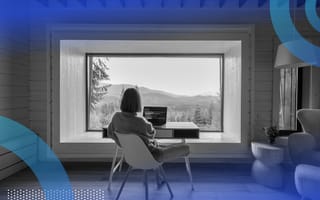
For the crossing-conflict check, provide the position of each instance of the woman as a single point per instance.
(128, 121)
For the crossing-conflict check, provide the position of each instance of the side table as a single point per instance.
(267, 169)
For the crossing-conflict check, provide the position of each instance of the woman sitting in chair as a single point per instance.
(127, 121)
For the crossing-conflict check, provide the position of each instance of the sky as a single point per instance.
(178, 75)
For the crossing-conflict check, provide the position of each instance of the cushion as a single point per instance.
(171, 152)
(307, 180)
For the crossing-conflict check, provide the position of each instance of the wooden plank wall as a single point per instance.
(14, 88)
(38, 80)
(263, 72)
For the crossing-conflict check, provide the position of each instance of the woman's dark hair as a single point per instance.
(131, 101)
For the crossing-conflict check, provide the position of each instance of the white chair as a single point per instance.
(115, 164)
(304, 147)
(118, 165)
(138, 156)
(170, 153)
(304, 151)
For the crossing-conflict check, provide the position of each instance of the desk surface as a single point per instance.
(182, 130)
(177, 126)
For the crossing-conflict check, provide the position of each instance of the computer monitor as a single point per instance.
(157, 115)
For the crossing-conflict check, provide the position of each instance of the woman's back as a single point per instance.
(124, 122)
(127, 121)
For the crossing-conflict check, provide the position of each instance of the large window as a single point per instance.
(189, 85)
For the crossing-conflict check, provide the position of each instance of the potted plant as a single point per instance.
(271, 132)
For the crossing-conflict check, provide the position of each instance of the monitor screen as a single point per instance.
(156, 115)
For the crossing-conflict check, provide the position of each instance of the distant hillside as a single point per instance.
(115, 90)
(203, 110)
(158, 97)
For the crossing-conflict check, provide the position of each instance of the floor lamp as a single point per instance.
(285, 59)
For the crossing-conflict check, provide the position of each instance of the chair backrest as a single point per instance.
(136, 153)
(310, 121)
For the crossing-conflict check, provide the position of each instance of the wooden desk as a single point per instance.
(177, 130)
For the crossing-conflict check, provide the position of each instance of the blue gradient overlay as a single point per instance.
(113, 12)
(51, 174)
(287, 32)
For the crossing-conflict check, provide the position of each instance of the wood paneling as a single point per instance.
(14, 103)
(9, 159)
(263, 79)
(38, 80)
(11, 170)
(14, 89)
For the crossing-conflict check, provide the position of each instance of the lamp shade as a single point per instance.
(285, 59)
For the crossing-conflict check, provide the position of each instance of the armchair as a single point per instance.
(304, 147)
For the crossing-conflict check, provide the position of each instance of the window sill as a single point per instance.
(205, 137)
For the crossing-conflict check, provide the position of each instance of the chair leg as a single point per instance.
(118, 165)
(165, 180)
(112, 167)
(189, 171)
(158, 178)
(145, 172)
(123, 182)
(121, 161)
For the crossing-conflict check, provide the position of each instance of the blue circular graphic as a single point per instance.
(287, 32)
(50, 173)
(311, 12)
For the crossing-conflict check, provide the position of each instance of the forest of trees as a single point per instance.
(104, 100)
(206, 115)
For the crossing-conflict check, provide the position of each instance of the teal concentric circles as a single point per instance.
(287, 32)
(311, 13)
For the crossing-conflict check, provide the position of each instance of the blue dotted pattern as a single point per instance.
(39, 194)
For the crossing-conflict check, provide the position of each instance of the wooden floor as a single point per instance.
(212, 181)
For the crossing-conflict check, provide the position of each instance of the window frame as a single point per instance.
(88, 70)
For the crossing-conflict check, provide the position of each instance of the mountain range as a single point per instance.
(158, 97)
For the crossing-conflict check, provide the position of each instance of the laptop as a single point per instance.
(157, 115)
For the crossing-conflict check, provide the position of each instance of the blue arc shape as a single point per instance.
(50, 174)
(287, 32)
(311, 12)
